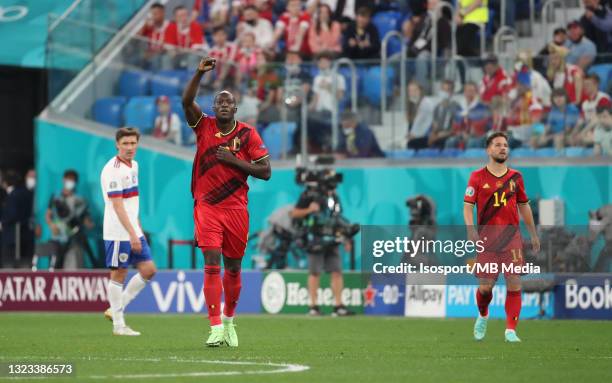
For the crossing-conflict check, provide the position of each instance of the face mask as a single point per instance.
(69, 185)
(30, 183)
(414, 99)
(447, 95)
(293, 68)
(251, 22)
(347, 131)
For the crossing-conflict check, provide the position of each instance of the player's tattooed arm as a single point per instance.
(260, 169)
(193, 113)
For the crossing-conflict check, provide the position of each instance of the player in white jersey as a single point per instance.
(124, 241)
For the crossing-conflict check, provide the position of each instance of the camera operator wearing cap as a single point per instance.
(318, 212)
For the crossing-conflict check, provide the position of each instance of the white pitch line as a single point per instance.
(281, 367)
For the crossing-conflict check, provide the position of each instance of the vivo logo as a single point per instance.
(585, 297)
(177, 291)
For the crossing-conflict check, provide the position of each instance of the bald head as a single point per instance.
(225, 106)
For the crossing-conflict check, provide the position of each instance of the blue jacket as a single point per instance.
(365, 142)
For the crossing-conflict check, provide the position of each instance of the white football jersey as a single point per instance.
(120, 180)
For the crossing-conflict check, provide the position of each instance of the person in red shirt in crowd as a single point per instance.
(563, 75)
(226, 53)
(250, 56)
(293, 25)
(182, 34)
(153, 30)
(495, 81)
(593, 97)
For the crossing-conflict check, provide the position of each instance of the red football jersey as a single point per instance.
(496, 200)
(218, 184)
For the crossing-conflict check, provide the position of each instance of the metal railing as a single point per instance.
(544, 24)
(505, 34)
(383, 70)
(337, 64)
(435, 16)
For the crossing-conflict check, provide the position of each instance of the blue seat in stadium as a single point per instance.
(547, 152)
(134, 83)
(427, 153)
(474, 153)
(451, 152)
(206, 103)
(400, 154)
(523, 152)
(140, 112)
(109, 110)
(588, 152)
(575, 151)
(168, 82)
(273, 138)
(604, 71)
(371, 84)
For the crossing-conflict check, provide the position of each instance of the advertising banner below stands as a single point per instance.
(385, 296)
(287, 292)
(55, 291)
(584, 296)
(181, 292)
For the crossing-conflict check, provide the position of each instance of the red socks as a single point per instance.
(232, 284)
(212, 293)
(482, 301)
(513, 309)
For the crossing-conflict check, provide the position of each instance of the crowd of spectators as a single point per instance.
(545, 101)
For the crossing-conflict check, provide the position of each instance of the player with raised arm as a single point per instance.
(124, 240)
(228, 151)
(499, 195)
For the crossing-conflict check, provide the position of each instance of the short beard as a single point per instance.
(225, 120)
(499, 160)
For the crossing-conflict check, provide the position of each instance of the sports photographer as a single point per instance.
(318, 218)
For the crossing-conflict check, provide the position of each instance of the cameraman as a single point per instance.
(327, 258)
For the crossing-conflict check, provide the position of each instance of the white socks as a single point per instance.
(120, 298)
(115, 290)
(225, 319)
(136, 283)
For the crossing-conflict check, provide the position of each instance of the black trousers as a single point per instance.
(468, 42)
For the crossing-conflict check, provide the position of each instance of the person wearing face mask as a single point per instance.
(16, 211)
(67, 218)
(443, 115)
(256, 25)
(357, 140)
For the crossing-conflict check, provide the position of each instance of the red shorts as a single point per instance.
(224, 229)
(505, 262)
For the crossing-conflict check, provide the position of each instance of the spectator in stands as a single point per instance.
(357, 139)
(167, 125)
(154, 30)
(525, 111)
(562, 119)
(602, 137)
(443, 115)
(418, 31)
(293, 25)
(563, 75)
(419, 115)
(324, 34)
(472, 121)
(249, 56)
(498, 115)
(248, 106)
(67, 218)
(593, 97)
(15, 221)
(471, 14)
(323, 98)
(269, 91)
(495, 83)
(539, 86)
(226, 53)
(342, 10)
(216, 12)
(182, 34)
(559, 39)
(361, 40)
(541, 137)
(259, 27)
(597, 23)
(582, 51)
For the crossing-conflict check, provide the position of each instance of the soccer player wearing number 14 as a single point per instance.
(499, 195)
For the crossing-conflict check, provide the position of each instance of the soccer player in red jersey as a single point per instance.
(499, 195)
(228, 151)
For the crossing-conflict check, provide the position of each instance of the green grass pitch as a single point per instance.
(280, 348)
